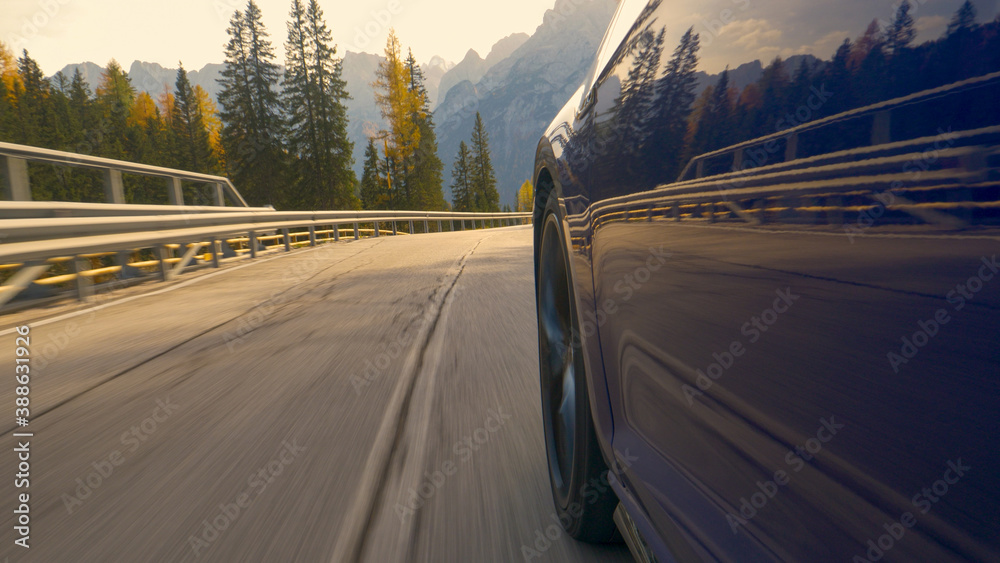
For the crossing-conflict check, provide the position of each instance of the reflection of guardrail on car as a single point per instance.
(930, 158)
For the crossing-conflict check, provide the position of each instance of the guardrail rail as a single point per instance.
(46, 246)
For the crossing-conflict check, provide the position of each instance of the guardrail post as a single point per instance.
(336, 233)
(761, 206)
(882, 128)
(440, 226)
(17, 186)
(216, 250)
(288, 240)
(84, 285)
(253, 244)
(312, 235)
(835, 216)
(676, 208)
(710, 211)
(163, 254)
(377, 233)
(356, 234)
(411, 227)
(174, 192)
(121, 259)
(452, 221)
(792, 148)
(113, 190)
(218, 195)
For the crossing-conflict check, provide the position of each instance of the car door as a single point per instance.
(794, 353)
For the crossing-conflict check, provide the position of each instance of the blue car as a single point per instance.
(767, 281)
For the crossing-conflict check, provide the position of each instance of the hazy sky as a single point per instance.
(60, 32)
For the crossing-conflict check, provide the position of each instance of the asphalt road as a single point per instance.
(372, 400)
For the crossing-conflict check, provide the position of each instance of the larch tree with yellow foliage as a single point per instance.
(399, 103)
(10, 82)
(526, 197)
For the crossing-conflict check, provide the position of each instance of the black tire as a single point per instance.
(577, 472)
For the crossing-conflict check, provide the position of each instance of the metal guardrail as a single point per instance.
(171, 242)
(79, 239)
(14, 161)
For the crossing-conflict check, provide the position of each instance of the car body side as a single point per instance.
(742, 377)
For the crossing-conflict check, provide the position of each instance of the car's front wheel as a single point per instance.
(577, 472)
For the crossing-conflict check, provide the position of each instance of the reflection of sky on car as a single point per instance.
(734, 32)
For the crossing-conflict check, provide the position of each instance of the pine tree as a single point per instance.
(773, 85)
(964, 19)
(115, 96)
(638, 95)
(251, 111)
(34, 118)
(712, 129)
(314, 101)
(901, 32)
(80, 97)
(461, 184)
(189, 135)
(372, 189)
(423, 175)
(483, 181)
(675, 95)
(839, 80)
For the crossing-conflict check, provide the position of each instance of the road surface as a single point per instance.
(371, 400)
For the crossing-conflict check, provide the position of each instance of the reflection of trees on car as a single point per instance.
(657, 109)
